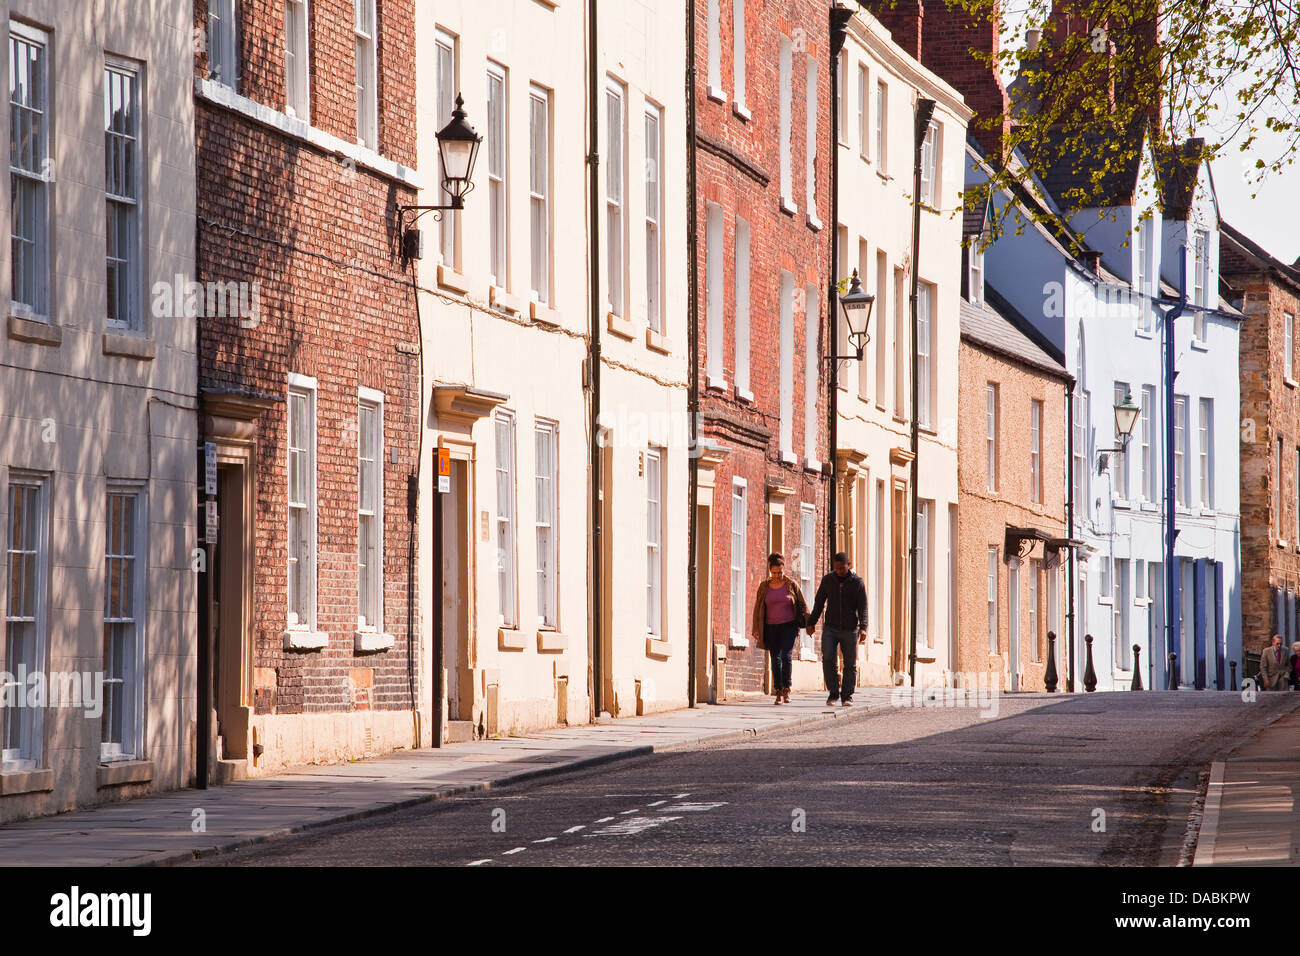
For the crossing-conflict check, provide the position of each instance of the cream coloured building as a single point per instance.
(97, 407)
(506, 300)
(879, 87)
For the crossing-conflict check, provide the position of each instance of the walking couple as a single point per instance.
(780, 612)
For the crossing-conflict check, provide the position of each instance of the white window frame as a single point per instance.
(1142, 262)
(1036, 450)
(739, 545)
(130, 675)
(785, 120)
(1120, 615)
(807, 547)
(446, 76)
(614, 161)
(931, 164)
(498, 170)
(864, 121)
(31, 720)
(1034, 573)
(223, 42)
(925, 295)
(810, 140)
(365, 31)
(304, 387)
(1205, 438)
(1146, 437)
(654, 473)
(1180, 450)
(991, 416)
(881, 540)
(29, 170)
(1288, 346)
(1120, 459)
(1200, 246)
(654, 217)
(506, 531)
(842, 97)
(297, 60)
(881, 112)
(539, 192)
(811, 384)
(786, 358)
(738, 57)
(370, 609)
(924, 570)
(742, 300)
(124, 202)
(546, 466)
(713, 292)
(975, 272)
(713, 38)
(991, 596)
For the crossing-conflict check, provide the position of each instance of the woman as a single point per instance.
(779, 612)
(1295, 666)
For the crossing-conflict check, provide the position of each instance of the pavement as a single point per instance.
(1250, 805)
(183, 825)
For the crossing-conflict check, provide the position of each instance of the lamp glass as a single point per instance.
(1126, 416)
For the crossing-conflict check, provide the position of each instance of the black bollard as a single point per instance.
(1089, 674)
(1050, 679)
(1137, 668)
(1232, 666)
(1173, 671)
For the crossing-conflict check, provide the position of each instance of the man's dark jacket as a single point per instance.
(845, 601)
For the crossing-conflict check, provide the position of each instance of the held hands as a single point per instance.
(862, 635)
(811, 630)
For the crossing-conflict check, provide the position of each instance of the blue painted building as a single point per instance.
(1093, 288)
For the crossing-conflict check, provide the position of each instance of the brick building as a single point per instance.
(1267, 291)
(762, 90)
(305, 133)
(1011, 471)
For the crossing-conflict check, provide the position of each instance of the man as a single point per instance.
(844, 598)
(1275, 666)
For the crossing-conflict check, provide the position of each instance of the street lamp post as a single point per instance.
(458, 146)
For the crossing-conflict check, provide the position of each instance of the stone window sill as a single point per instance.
(543, 315)
(717, 94)
(885, 177)
(302, 639)
(789, 458)
(552, 641)
(654, 647)
(1200, 345)
(26, 781)
(658, 342)
(449, 278)
(511, 639)
(738, 642)
(501, 299)
(744, 395)
(116, 773)
(788, 207)
(813, 222)
(370, 641)
(623, 328)
(34, 331)
(129, 346)
(716, 384)
(742, 111)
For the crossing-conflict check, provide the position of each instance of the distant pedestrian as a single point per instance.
(844, 597)
(779, 611)
(1295, 666)
(1275, 666)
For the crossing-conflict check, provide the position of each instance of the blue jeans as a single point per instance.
(779, 639)
(847, 643)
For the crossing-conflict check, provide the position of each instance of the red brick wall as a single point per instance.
(1270, 409)
(320, 237)
(778, 241)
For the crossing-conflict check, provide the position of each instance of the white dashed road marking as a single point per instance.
(479, 862)
(518, 849)
(576, 829)
(544, 840)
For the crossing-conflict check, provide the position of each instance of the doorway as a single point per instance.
(232, 612)
(899, 579)
(454, 540)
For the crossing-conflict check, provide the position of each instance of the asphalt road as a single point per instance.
(1104, 779)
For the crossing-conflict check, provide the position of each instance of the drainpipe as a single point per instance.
(840, 17)
(1069, 514)
(924, 111)
(693, 374)
(595, 687)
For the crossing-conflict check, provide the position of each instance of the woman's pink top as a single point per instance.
(779, 606)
